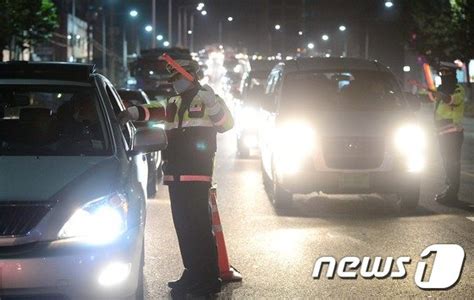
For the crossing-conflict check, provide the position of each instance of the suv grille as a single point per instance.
(353, 152)
(17, 219)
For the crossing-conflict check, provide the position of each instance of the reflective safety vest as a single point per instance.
(191, 129)
(449, 116)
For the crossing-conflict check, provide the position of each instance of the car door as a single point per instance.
(128, 130)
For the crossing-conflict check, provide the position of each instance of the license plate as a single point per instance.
(354, 181)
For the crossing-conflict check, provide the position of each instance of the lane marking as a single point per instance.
(470, 218)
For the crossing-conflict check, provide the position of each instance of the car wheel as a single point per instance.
(281, 198)
(139, 294)
(267, 182)
(243, 151)
(409, 198)
(152, 182)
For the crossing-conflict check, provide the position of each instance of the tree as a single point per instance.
(26, 23)
(441, 30)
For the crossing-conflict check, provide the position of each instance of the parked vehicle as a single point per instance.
(73, 185)
(339, 126)
(247, 113)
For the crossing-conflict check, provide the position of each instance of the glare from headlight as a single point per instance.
(158, 125)
(415, 163)
(293, 143)
(249, 118)
(250, 141)
(114, 273)
(98, 222)
(410, 138)
(410, 141)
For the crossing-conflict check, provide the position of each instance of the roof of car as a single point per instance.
(46, 71)
(332, 63)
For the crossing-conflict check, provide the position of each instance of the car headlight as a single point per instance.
(249, 117)
(99, 221)
(410, 141)
(293, 143)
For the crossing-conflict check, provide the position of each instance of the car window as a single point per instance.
(51, 121)
(118, 107)
(342, 90)
(130, 98)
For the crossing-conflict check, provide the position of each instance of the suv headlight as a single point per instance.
(293, 143)
(410, 141)
(249, 118)
(99, 221)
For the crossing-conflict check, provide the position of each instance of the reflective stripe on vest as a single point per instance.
(168, 178)
(450, 129)
(201, 178)
(188, 178)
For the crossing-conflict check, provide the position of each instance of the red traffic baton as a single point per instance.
(227, 272)
(177, 66)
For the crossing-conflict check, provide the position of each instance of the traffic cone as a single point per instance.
(227, 272)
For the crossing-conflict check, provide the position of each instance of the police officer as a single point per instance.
(193, 118)
(449, 113)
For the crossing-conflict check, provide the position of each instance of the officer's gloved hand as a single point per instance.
(130, 114)
(208, 96)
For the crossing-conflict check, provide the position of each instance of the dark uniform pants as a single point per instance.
(450, 145)
(192, 221)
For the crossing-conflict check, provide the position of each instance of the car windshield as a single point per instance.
(343, 91)
(51, 121)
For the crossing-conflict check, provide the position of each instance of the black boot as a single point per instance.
(447, 199)
(206, 288)
(182, 282)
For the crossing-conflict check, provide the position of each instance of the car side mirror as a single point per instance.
(414, 101)
(149, 140)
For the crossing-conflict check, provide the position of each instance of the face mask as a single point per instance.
(448, 84)
(182, 85)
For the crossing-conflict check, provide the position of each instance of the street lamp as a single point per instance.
(310, 46)
(342, 29)
(300, 32)
(166, 43)
(220, 27)
(159, 37)
(388, 4)
(190, 32)
(325, 37)
(200, 6)
(133, 13)
(148, 28)
(203, 12)
(277, 27)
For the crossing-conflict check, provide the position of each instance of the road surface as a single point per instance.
(276, 252)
